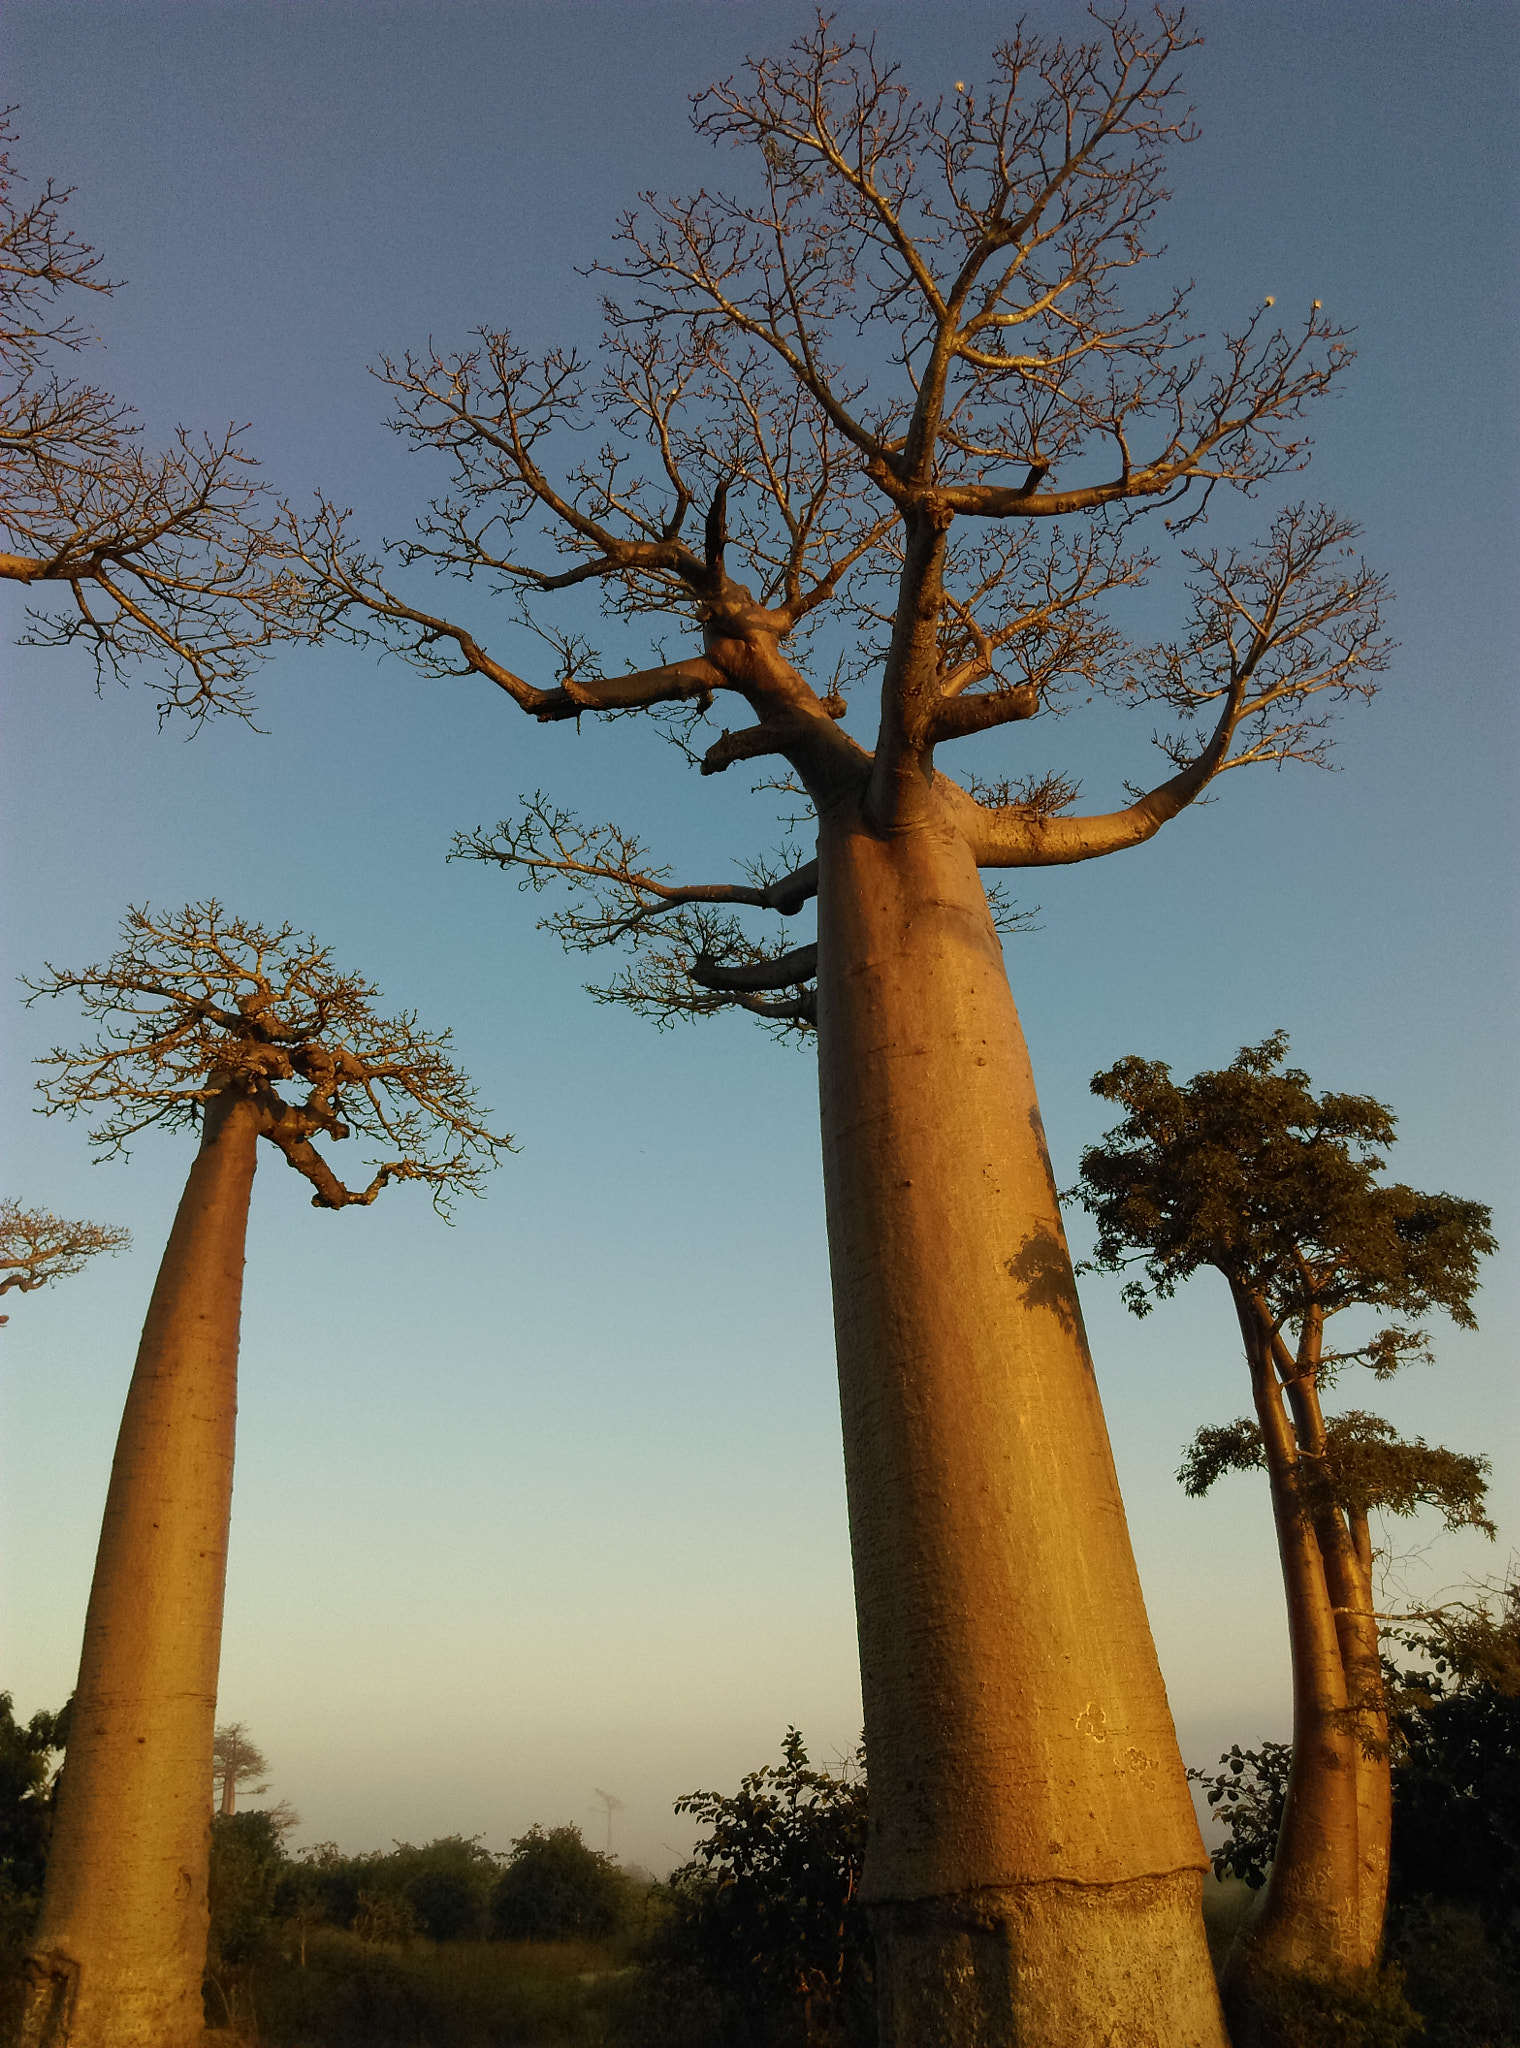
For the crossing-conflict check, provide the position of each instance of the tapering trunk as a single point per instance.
(120, 1950)
(1321, 1913)
(1034, 1866)
(1348, 1580)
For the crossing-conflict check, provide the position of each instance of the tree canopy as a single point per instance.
(36, 1246)
(906, 380)
(169, 557)
(1246, 1170)
(195, 1002)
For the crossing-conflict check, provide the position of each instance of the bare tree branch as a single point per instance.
(850, 390)
(36, 1246)
(1294, 627)
(171, 558)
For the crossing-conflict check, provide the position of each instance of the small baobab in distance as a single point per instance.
(1248, 1172)
(246, 1033)
(884, 418)
(37, 1247)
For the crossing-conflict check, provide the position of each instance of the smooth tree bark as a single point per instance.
(1028, 1819)
(1246, 1171)
(200, 1016)
(898, 375)
(120, 1948)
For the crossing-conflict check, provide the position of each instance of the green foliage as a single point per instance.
(556, 1889)
(1462, 1983)
(1247, 1793)
(442, 1890)
(466, 1994)
(447, 1885)
(1367, 1465)
(26, 1806)
(1456, 1827)
(246, 1864)
(1302, 2011)
(767, 1940)
(385, 1917)
(1246, 1170)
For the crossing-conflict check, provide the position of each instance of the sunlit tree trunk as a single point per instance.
(1034, 1867)
(1348, 1580)
(120, 1950)
(1321, 1913)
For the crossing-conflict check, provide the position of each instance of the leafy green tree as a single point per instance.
(448, 1885)
(768, 1931)
(1247, 1172)
(247, 1863)
(1456, 1815)
(555, 1888)
(26, 1786)
(1247, 1794)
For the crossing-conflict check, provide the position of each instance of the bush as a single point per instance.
(1460, 1980)
(1293, 2011)
(246, 1862)
(442, 1889)
(556, 1889)
(765, 1942)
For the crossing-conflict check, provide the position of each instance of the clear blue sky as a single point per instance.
(553, 1500)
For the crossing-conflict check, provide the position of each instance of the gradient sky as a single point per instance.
(553, 1500)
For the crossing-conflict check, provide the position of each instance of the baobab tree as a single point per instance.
(169, 557)
(236, 1759)
(903, 384)
(201, 1021)
(37, 1247)
(1247, 1171)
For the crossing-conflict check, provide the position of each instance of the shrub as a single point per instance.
(246, 1862)
(766, 1941)
(555, 1889)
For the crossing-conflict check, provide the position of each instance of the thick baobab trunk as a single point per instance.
(120, 1951)
(1321, 1913)
(1034, 1869)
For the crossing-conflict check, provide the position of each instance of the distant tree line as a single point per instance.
(548, 1887)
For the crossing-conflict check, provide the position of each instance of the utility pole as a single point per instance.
(611, 1804)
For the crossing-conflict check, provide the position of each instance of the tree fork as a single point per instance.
(118, 1956)
(1308, 1918)
(1034, 1868)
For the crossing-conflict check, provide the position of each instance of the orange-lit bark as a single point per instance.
(1034, 1868)
(119, 1953)
(1321, 1914)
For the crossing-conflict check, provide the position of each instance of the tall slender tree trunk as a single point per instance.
(1321, 1913)
(1034, 1866)
(1348, 1580)
(119, 1954)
